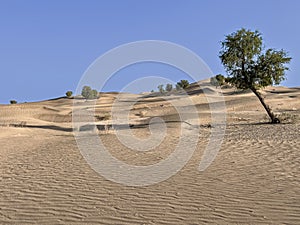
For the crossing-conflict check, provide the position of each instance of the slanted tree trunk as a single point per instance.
(272, 116)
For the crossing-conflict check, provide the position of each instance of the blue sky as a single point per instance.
(45, 46)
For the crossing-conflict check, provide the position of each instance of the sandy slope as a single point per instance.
(254, 179)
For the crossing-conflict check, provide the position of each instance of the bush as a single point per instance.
(169, 87)
(69, 94)
(214, 81)
(161, 88)
(88, 93)
(218, 80)
(183, 84)
(13, 102)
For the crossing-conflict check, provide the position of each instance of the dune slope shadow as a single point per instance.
(51, 127)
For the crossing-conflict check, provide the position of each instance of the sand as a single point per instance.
(253, 180)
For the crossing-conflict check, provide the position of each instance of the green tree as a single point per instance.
(183, 84)
(221, 79)
(69, 94)
(169, 87)
(94, 94)
(217, 80)
(161, 88)
(250, 67)
(88, 93)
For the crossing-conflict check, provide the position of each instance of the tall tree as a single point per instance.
(249, 66)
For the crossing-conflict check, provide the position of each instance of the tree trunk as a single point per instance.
(273, 118)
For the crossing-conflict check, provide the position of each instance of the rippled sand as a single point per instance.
(253, 180)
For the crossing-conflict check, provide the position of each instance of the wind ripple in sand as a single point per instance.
(254, 180)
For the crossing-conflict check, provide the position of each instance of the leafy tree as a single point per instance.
(94, 94)
(169, 87)
(217, 80)
(178, 87)
(161, 88)
(69, 94)
(221, 79)
(183, 84)
(214, 81)
(13, 102)
(250, 67)
(88, 93)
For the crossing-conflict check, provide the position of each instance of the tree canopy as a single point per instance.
(88, 93)
(250, 66)
(182, 84)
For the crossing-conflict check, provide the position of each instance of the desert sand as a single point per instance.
(254, 179)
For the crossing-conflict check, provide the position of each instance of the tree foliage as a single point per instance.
(89, 93)
(218, 80)
(13, 102)
(161, 88)
(69, 94)
(182, 84)
(250, 66)
(169, 87)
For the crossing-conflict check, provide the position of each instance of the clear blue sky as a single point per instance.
(45, 46)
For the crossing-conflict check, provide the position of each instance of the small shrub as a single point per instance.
(161, 88)
(218, 80)
(183, 84)
(214, 81)
(88, 93)
(169, 87)
(69, 94)
(178, 87)
(13, 102)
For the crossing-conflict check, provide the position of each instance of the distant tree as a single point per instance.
(69, 94)
(214, 81)
(183, 84)
(221, 79)
(178, 87)
(88, 93)
(13, 102)
(94, 94)
(249, 67)
(217, 80)
(169, 87)
(161, 88)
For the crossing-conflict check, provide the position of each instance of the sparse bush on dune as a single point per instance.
(89, 93)
(169, 87)
(183, 84)
(161, 88)
(218, 80)
(69, 94)
(13, 102)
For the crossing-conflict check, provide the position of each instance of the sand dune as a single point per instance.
(253, 180)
